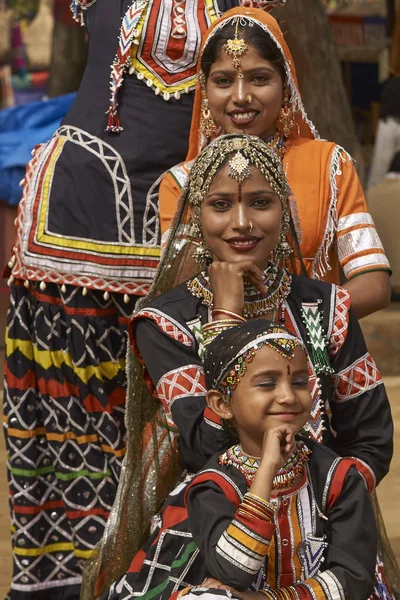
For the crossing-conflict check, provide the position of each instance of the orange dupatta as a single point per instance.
(335, 223)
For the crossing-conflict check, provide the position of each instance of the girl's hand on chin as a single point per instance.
(278, 445)
(227, 283)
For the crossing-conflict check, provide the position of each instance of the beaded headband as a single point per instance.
(282, 343)
(249, 150)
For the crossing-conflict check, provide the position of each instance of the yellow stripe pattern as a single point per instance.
(59, 359)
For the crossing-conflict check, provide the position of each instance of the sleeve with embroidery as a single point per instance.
(361, 415)
(349, 565)
(359, 247)
(233, 543)
(175, 374)
(234, 547)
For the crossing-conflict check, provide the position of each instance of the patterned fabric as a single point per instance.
(64, 425)
(243, 546)
(160, 41)
(340, 321)
(204, 532)
(356, 234)
(170, 327)
(316, 425)
(52, 247)
(185, 381)
(168, 61)
(358, 378)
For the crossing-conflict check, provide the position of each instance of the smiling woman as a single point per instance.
(241, 221)
(250, 104)
(235, 185)
(247, 84)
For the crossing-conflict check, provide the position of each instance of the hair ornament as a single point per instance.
(247, 150)
(282, 343)
(239, 167)
(236, 48)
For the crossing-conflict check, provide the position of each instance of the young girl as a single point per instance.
(275, 513)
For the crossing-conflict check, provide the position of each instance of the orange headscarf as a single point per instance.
(305, 128)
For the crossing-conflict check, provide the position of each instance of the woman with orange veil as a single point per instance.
(337, 229)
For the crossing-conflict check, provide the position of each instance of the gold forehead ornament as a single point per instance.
(239, 167)
(236, 47)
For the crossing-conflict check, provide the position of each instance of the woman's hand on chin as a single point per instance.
(227, 283)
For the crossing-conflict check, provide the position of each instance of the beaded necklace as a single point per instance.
(277, 280)
(278, 143)
(290, 472)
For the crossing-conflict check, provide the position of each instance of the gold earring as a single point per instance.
(283, 250)
(285, 121)
(207, 123)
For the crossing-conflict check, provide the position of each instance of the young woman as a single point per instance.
(273, 516)
(247, 84)
(236, 209)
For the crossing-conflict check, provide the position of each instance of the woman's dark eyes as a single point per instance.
(261, 203)
(260, 79)
(256, 80)
(221, 205)
(222, 81)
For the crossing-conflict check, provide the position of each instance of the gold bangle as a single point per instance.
(259, 500)
(229, 313)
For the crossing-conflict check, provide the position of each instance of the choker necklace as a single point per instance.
(278, 143)
(276, 279)
(288, 474)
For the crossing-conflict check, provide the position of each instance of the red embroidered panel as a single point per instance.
(169, 327)
(186, 381)
(340, 322)
(361, 376)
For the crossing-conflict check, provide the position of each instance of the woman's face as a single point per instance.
(241, 223)
(229, 95)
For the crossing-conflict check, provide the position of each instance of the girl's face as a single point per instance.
(241, 222)
(272, 392)
(245, 105)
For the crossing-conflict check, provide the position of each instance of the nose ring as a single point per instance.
(250, 226)
(249, 98)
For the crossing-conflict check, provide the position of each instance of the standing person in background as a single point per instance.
(387, 141)
(384, 203)
(87, 248)
(247, 84)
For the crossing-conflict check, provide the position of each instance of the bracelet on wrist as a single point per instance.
(229, 313)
